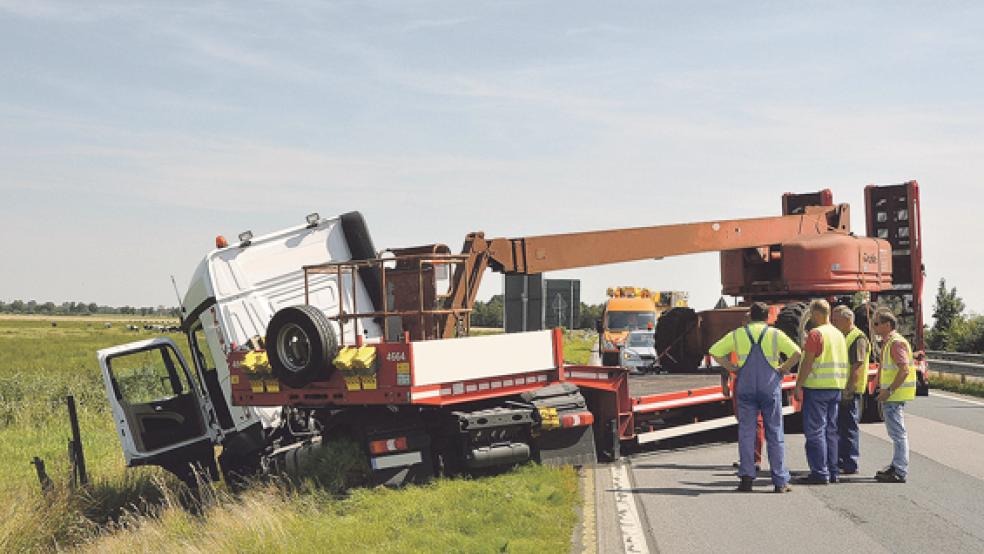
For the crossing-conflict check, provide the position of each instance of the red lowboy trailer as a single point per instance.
(309, 334)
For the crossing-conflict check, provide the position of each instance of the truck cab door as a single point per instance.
(160, 414)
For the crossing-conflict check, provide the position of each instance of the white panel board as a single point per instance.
(444, 361)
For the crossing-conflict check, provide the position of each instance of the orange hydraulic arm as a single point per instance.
(529, 255)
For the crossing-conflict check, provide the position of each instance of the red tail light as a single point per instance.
(386, 446)
(577, 420)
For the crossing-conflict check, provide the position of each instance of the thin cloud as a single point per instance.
(426, 24)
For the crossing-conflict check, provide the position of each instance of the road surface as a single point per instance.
(678, 497)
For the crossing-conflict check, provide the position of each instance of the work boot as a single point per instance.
(890, 476)
(811, 480)
(745, 485)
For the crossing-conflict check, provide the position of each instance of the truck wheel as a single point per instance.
(862, 321)
(300, 345)
(871, 409)
(676, 352)
(794, 320)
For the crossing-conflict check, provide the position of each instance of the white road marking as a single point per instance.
(957, 398)
(633, 539)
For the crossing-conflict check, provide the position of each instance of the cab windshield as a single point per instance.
(642, 340)
(630, 321)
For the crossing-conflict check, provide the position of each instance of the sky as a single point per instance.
(132, 133)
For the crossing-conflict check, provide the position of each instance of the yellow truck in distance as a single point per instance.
(628, 309)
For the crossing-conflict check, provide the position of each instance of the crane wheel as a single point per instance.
(674, 345)
(300, 345)
(794, 320)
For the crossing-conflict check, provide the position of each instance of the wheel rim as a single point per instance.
(294, 347)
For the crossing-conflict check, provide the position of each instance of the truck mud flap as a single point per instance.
(415, 464)
(574, 446)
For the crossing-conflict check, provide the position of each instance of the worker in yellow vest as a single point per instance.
(758, 386)
(897, 385)
(849, 411)
(822, 376)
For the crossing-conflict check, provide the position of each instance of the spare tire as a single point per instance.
(794, 320)
(300, 345)
(676, 351)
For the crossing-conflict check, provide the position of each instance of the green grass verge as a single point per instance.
(953, 384)
(578, 345)
(529, 510)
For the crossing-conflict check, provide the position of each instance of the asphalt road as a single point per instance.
(678, 497)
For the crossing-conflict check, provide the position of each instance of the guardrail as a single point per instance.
(955, 356)
(956, 363)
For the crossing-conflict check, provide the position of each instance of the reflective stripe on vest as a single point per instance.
(907, 390)
(863, 378)
(830, 368)
(771, 355)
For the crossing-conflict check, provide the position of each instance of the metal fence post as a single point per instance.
(76, 455)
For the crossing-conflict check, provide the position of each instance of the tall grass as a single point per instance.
(528, 510)
(142, 509)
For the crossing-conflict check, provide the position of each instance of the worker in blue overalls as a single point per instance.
(758, 386)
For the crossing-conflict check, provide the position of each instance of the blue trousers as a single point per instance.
(820, 429)
(770, 405)
(895, 425)
(849, 448)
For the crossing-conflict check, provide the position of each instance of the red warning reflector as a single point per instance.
(577, 420)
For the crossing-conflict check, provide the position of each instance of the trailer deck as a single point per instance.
(649, 384)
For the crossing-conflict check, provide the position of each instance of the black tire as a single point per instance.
(677, 353)
(862, 321)
(871, 409)
(794, 320)
(300, 345)
(362, 248)
(610, 359)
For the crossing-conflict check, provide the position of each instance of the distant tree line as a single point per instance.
(82, 308)
(953, 330)
(489, 314)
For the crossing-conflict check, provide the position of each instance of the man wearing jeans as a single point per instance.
(821, 378)
(897, 381)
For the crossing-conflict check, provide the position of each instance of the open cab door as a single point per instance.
(159, 411)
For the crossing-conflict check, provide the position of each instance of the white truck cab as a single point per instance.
(171, 411)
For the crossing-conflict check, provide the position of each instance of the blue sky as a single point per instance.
(132, 133)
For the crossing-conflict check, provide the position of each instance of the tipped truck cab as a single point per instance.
(170, 408)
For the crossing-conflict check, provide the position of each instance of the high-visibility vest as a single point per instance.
(907, 390)
(854, 335)
(830, 367)
(770, 348)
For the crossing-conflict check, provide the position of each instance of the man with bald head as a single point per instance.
(849, 411)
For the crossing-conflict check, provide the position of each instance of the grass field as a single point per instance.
(531, 509)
